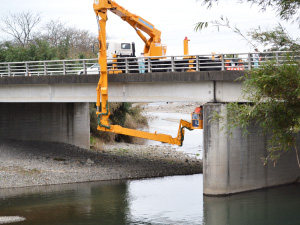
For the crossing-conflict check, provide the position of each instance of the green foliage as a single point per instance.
(276, 39)
(200, 26)
(286, 9)
(53, 41)
(118, 112)
(123, 114)
(39, 50)
(92, 140)
(63, 49)
(273, 92)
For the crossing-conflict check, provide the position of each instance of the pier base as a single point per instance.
(232, 163)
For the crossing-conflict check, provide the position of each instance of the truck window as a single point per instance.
(125, 46)
(107, 45)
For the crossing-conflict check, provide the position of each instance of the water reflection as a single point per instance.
(90, 203)
(276, 206)
(169, 200)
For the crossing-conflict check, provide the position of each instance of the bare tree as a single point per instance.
(57, 34)
(54, 32)
(20, 26)
(81, 41)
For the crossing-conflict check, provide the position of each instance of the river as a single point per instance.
(168, 123)
(158, 201)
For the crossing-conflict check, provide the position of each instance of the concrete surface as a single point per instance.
(58, 122)
(216, 86)
(233, 163)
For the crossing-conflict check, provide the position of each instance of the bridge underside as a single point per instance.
(57, 122)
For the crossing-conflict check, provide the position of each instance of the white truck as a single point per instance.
(114, 48)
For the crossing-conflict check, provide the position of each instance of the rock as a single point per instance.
(89, 162)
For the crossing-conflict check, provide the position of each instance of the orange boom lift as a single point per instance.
(153, 47)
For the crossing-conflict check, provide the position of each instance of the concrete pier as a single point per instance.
(59, 122)
(233, 163)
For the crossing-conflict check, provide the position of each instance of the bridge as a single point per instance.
(40, 103)
(203, 86)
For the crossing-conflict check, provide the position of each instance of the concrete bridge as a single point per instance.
(215, 86)
(56, 108)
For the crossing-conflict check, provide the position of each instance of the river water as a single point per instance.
(168, 123)
(158, 201)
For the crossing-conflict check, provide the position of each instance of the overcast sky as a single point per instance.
(174, 18)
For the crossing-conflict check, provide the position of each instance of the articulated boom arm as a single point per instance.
(100, 8)
(151, 136)
(153, 46)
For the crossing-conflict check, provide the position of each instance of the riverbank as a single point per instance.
(171, 107)
(26, 163)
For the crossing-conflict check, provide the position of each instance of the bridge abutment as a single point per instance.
(232, 163)
(58, 122)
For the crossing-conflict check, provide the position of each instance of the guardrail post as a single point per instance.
(223, 62)
(45, 68)
(84, 66)
(197, 63)
(64, 68)
(172, 64)
(27, 72)
(249, 61)
(9, 69)
(149, 65)
(126, 65)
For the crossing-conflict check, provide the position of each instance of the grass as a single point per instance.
(92, 141)
(124, 114)
(122, 151)
(59, 159)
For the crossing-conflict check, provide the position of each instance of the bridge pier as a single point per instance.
(58, 122)
(233, 163)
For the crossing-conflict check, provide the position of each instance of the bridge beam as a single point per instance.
(233, 163)
(214, 86)
(58, 122)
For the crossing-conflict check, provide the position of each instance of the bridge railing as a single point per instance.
(211, 62)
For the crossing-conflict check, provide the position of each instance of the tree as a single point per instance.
(273, 89)
(55, 40)
(286, 9)
(54, 32)
(70, 41)
(273, 93)
(20, 26)
(275, 39)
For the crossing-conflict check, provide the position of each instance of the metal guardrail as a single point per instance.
(212, 62)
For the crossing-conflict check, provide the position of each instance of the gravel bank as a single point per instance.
(25, 163)
(172, 107)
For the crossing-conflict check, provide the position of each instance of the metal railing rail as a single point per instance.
(209, 62)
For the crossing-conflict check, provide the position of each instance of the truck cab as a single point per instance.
(120, 49)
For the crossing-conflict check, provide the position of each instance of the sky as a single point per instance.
(175, 19)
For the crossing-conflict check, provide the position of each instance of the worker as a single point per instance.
(256, 58)
(141, 61)
(197, 115)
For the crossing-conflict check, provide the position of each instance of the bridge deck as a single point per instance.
(214, 86)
